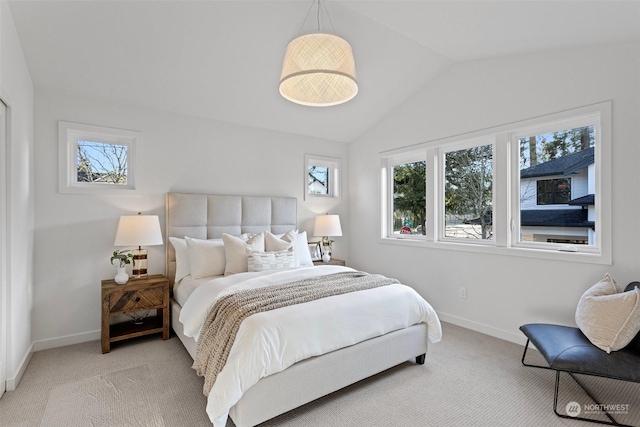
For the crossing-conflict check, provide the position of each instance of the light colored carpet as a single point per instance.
(469, 379)
(121, 398)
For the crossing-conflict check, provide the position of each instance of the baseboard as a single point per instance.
(66, 340)
(482, 328)
(12, 383)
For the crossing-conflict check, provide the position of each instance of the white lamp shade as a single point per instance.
(138, 230)
(318, 70)
(327, 225)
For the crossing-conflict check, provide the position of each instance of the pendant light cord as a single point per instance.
(318, 16)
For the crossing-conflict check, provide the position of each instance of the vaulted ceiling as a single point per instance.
(222, 59)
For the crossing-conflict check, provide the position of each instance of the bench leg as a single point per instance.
(524, 354)
(420, 359)
(613, 422)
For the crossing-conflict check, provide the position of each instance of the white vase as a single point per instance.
(121, 277)
(326, 257)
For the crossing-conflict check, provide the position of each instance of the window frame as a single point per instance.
(334, 166)
(388, 163)
(442, 155)
(68, 136)
(506, 189)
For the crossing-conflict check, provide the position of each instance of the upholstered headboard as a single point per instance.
(206, 216)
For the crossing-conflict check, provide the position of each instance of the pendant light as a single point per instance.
(318, 69)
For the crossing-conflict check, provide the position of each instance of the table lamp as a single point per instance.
(327, 226)
(139, 230)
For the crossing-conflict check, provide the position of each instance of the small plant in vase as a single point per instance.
(325, 245)
(123, 258)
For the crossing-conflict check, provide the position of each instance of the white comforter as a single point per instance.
(269, 342)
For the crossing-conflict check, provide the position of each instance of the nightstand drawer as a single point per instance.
(141, 299)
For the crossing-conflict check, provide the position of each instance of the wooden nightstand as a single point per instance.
(136, 295)
(332, 261)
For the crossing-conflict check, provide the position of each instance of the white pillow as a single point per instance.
(609, 318)
(301, 254)
(301, 247)
(260, 261)
(274, 243)
(235, 250)
(182, 259)
(206, 257)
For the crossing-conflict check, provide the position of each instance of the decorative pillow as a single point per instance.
(610, 319)
(206, 257)
(260, 261)
(235, 250)
(274, 243)
(301, 254)
(182, 259)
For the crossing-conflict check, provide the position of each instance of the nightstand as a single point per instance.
(136, 295)
(332, 261)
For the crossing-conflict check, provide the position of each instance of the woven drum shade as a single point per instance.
(318, 70)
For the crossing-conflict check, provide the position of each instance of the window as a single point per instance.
(468, 193)
(536, 188)
(322, 176)
(404, 176)
(96, 159)
(558, 176)
(553, 191)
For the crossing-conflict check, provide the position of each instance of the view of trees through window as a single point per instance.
(318, 180)
(468, 193)
(409, 198)
(100, 162)
(557, 183)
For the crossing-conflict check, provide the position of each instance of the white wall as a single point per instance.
(74, 233)
(16, 90)
(504, 292)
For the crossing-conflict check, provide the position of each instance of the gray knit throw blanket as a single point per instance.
(223, 321)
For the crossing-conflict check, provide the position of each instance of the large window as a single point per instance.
(95, 159)
(537, 188)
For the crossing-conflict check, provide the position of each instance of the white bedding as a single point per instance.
(269, 342)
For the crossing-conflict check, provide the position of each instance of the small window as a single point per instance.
(100, 160)
(322, 176)
(554, 191)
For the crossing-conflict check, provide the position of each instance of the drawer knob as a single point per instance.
(137, 299)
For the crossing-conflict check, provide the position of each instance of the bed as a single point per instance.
(206, 219)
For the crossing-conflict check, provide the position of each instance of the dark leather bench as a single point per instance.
(566, 349)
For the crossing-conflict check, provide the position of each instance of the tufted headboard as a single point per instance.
(207, 216)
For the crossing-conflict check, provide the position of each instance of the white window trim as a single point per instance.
(68, 135)
(504, 211)
(334, 165)
(386, 177)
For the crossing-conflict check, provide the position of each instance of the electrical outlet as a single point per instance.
(463, 292)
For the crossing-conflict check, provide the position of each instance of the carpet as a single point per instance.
(120, 398)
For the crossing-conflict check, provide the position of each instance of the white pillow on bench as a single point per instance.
(608, 317)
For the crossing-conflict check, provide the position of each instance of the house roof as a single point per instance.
(588, 200)
(547, 218)
(555, 218)
(565, 165)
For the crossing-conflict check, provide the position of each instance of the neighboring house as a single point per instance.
(557, 200)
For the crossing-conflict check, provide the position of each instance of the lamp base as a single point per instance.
(139, 270)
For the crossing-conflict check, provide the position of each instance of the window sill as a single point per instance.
(555, 255)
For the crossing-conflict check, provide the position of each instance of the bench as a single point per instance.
(566, 349)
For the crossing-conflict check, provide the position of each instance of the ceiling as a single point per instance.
(222, 59)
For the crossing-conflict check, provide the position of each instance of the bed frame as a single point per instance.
(204, 216)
